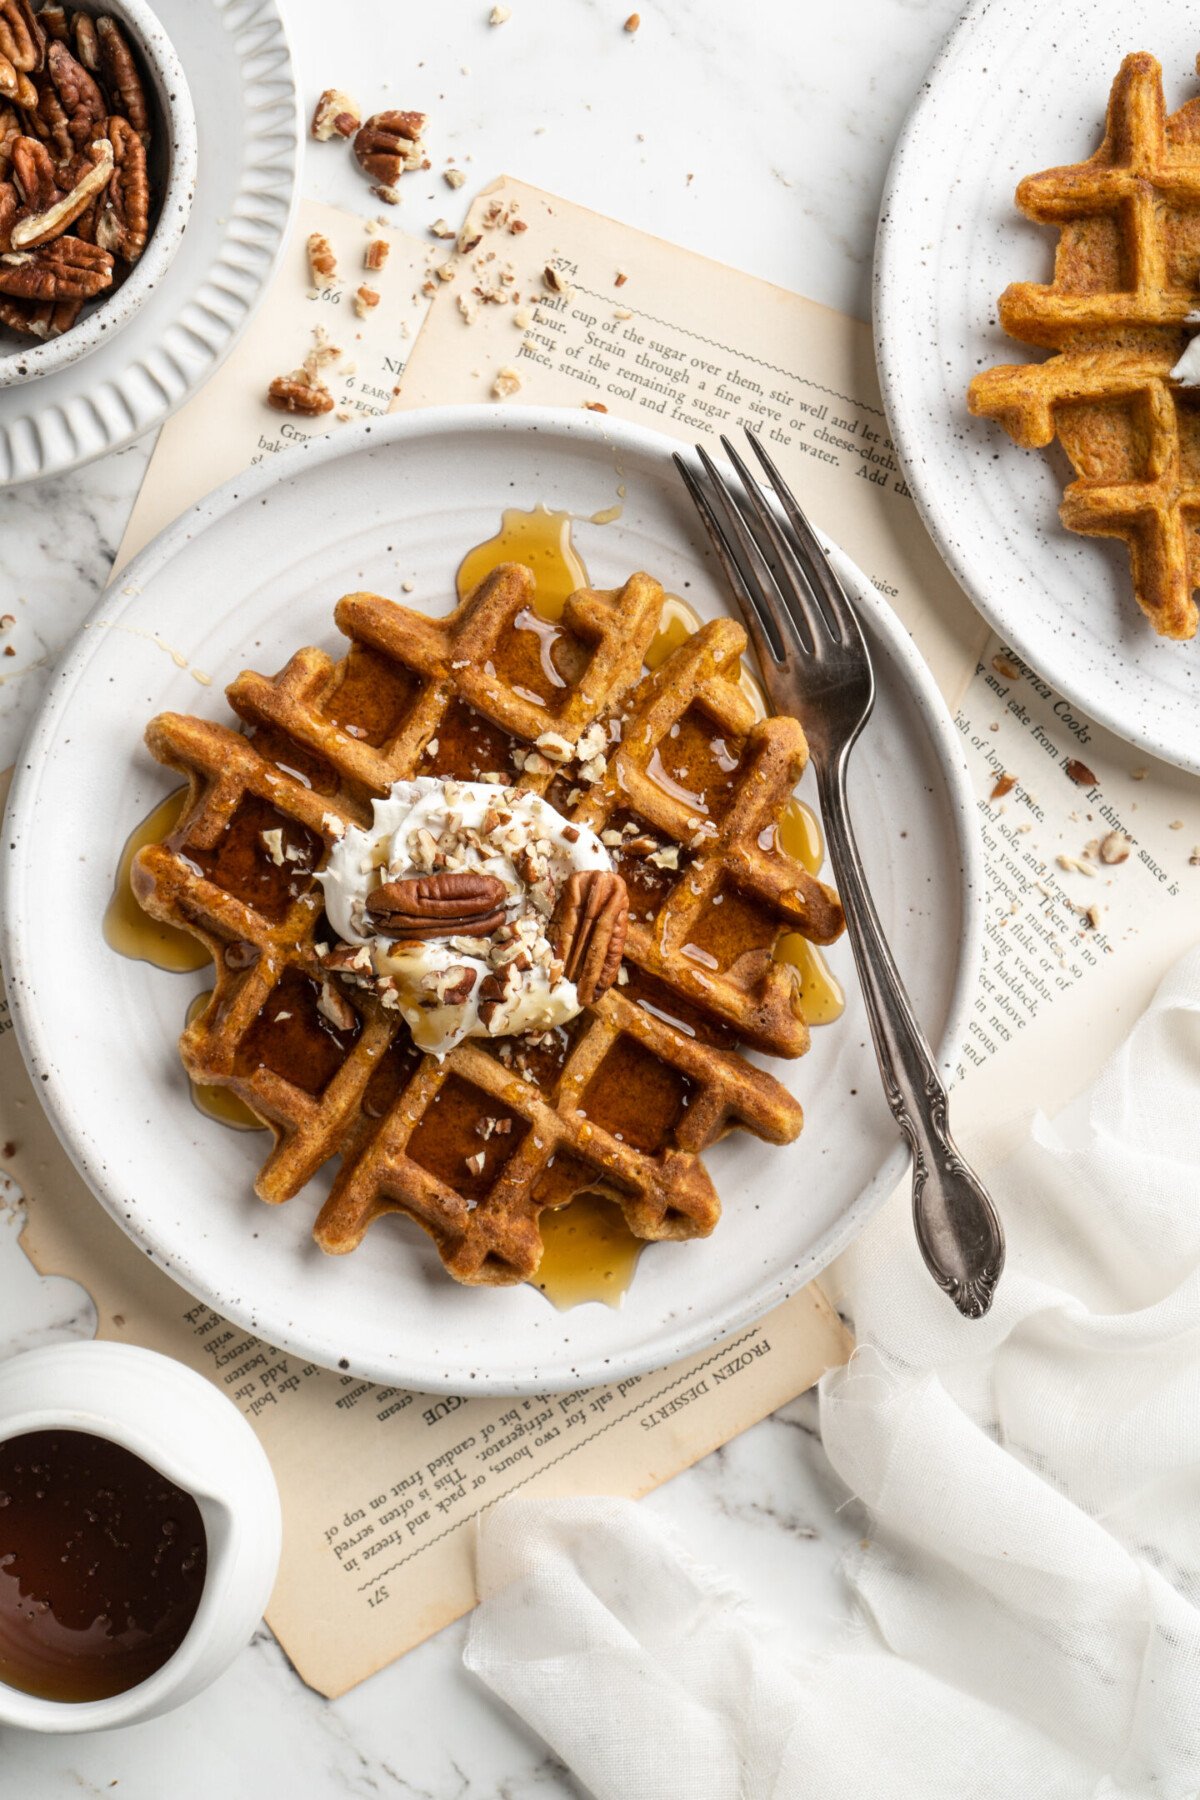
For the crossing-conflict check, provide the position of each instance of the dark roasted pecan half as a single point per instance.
(459, 904)
(123, 224)
(67, 269)
(16, 85)
(40, 319)
(80, 98)
(588, 929)
(22, 39)
(50, 218)
(298, 394)
(122, 78)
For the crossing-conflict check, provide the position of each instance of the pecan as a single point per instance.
(455, 984)
(40, 226)
(588, 928)
(322, 260)
(81, 99)
(22, 39)
(16, 85)
(87, 44)
(10, 131)
(376, 253)
(35, 173)
(39, 319)
(53, 21)
(334, 1006)
(388, 144)
(9, 207)
(124, 222)
(48, 121)
(335, 112)
(297, 393)
(67, 269)
(121, 76)
(459, 904)
(1079, 773)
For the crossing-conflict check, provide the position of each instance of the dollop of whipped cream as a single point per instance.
(428, 826)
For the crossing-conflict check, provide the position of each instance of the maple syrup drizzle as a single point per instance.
(130, 931)
(590, 1253)
(541, 539)
(218, 1102)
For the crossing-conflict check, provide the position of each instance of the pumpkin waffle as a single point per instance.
(621, 1100)
(1126, 278)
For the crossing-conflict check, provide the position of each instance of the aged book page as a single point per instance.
(655, 334)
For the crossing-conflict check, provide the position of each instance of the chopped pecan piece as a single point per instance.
(588, 928)
(458, 904)
(22, 39)
(322, 262)
(81, 99)
(39, 227)
(121, 76)
(67, 269)
(376, 253)
(299, 393)
(388, 144)
(123, 225)
(336, 114)
(365, 300)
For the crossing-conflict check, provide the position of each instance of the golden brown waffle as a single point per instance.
(620, 1101)
(1126, 275)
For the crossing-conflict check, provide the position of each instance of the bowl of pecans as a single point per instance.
(97, 173)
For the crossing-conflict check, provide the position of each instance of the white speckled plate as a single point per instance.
(1018, 88)
(242, 580)
(238, 64)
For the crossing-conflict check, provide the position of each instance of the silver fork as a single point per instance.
(815, 665)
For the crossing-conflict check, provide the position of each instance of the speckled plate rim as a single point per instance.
(1145, 714)
(66, 418)
(964, 863)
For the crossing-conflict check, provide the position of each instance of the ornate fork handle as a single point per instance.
(957, 1228)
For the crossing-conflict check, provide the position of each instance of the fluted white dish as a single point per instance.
(238, 64)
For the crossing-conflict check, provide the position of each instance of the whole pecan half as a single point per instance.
(388, 143)
(121, 76)
(67, 269)
(124, 222)
(48, 121)
(588, 928)
(459, 904)
(78, 94)
(35, 173)
(53, 21)
(50, 220)
(9, 208)
(16, 85)
(22, 39)
(10, 131)
(40, 319)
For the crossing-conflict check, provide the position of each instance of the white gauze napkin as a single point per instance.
(1027, 1611)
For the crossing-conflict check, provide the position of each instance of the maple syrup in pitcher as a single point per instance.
(102, 1564)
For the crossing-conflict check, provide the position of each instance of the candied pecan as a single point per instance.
(123, 223)
(67, 269)
(81, 99)
(299, 394)
(388, 144)
(22, 39)
(39, 318)
(122, 77)
(43, 223)
(335, 112)
(588, 929)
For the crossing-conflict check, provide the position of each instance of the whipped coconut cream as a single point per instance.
(427, 826)
(1187, 369)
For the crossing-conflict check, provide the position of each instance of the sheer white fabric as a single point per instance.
(1028, 1607)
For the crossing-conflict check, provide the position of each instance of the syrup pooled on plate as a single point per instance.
(218, 1102)
(129, 930)
(540, 539)
(102, 1564)
(590, 1253)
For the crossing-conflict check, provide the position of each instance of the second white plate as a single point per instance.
(241, 581)
(1017, 89)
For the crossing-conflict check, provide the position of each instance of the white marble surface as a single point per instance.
(784, 116)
